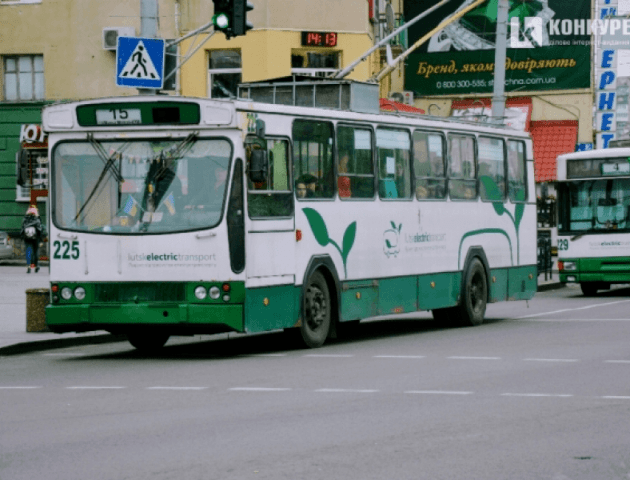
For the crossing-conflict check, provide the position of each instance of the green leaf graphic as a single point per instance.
(393, 225)
(348, 240)
(518, 214)
(493, 193)
(318, 226)
(389, 245)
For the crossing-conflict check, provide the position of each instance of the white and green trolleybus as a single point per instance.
(594, 218)
(181, 216)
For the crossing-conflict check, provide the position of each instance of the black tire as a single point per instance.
(472, 308)
(147, 342)
(589, 289)
(316, 311)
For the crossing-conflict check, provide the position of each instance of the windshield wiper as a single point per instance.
(110, 166)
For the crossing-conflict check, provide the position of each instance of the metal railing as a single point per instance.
(545, 262)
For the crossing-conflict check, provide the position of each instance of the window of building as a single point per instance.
(462, 183)
(355, 167)
(37, 173)
(491, 160)
(313, 157)
(517, 185)
(393, 149)
(314, 64)
(224, 73)
(23, 77)
(428, 163)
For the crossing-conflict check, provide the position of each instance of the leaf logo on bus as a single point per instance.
(496, 196)
(390, 240)
(318, 226)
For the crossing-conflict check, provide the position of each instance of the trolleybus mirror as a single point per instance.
(258, 165)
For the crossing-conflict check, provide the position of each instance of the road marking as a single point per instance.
(258, 389)
(616, 397)
(535, 395)
(176, 388)
(568, 360)
(439, 392)
(617, 361)
(344, 390)
(20, 388)
(474, 358)
(94, 387)
(321, 355)
(572, 309)
(399, 356)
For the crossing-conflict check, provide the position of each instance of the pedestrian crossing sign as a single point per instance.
(140, 62)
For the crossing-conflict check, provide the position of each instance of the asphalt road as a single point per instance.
(540, 391)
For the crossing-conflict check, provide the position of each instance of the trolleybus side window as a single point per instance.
(491, 169)
(273, 197)
(355, 166)
(313, 157)
(517, 182)
(461, 167)
(428, 163)
(393, 149)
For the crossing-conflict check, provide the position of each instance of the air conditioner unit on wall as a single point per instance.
(111, 34)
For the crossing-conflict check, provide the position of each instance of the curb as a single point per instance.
(39, 345)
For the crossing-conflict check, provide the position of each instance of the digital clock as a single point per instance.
(319, 39)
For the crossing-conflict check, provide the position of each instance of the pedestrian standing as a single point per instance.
(32, 233)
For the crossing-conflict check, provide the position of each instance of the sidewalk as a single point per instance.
(14, 339)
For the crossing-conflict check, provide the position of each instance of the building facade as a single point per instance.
(63, 50)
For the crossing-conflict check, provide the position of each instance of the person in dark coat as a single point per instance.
(32, 232)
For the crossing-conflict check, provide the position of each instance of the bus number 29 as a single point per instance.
(563, 244)
(66, 250)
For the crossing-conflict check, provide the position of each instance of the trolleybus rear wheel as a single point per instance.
(316, 314)
(475, 295)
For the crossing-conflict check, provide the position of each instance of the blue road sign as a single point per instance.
(140, 62)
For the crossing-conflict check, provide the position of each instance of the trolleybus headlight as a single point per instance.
(215, 293)
(226, 298)
(66, 293)
(200, 292)
(568, 266)
(79, 293)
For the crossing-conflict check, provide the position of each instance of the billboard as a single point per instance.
(548, 47)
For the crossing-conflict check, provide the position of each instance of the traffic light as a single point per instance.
(222, 18)
(240, 25)
(230, 17)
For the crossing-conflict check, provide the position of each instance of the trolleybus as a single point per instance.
(594, 218)
(182, 216)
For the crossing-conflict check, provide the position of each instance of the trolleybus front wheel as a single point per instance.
(316, 314)
(147, 342)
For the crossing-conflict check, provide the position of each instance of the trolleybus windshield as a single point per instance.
(140, 186)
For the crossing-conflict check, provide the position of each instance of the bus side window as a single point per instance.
(313, 157)
(517, 182)
(428, 163)
(355, 167)
(393, 149)
(273, 197)
(461, 167)
(491, 169)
